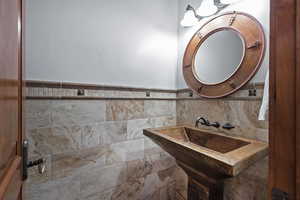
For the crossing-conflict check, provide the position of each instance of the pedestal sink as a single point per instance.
(207, 157)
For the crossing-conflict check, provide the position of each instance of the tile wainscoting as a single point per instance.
(95, 148)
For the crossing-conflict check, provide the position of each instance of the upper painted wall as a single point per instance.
(114, 42)
(260, 9)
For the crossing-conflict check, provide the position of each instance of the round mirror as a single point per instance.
(219, 57)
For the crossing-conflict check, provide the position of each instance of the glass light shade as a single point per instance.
(207, 8)
(189, 19)
(229, 1)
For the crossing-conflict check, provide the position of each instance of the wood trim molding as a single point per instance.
(9, 175)
(65, 85)
(254, 38)
(141, 99)
(259, 86)
(68, 85)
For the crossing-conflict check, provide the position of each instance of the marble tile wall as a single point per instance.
(95, 150)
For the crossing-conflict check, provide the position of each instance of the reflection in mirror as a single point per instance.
(219, 57)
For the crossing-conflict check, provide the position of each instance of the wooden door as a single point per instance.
(10, 100)
(285, 100)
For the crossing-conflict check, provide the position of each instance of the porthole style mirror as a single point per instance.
(224, 54)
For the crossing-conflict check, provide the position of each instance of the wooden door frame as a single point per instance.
(284, 94)
(11, 180)
(284, 164)
(298, 100)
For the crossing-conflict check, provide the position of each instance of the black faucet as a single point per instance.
(228, 126)
(205, 122)
(202, 121)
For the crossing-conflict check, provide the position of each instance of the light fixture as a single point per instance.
(229, 1)
(207, 8)
(220, 5)
(190, 17)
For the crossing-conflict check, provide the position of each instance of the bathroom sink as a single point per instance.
(210, 153)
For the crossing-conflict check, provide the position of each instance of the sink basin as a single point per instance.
(211, 152)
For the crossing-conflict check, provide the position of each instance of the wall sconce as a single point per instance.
(190, 18)
(207, 9)
(229, 1)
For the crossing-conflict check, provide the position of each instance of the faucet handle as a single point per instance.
(228, 126)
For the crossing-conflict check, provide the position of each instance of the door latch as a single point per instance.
(40, 163)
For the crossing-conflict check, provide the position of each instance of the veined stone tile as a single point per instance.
(135, 127)
(137, 169)
(71, 164)
(150, 147)
(99, 179)
(164, 121)
(129, 190)
(54, 140)
(68, 113)
(150, 164)
(117, 110)
(112, 131)
(66, 189)
(106, 195)
(126, 151)
(160, 161)
(168, 192)
(91, 136)
(242, 114)
(154, 195)
(160, 108)
(153, 183)
(38, 114)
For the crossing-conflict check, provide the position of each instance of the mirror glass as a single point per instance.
(219, 57)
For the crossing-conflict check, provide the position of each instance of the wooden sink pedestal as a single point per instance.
(207, 157)
(201, 186)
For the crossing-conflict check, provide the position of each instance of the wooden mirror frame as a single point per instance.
(252, 34)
